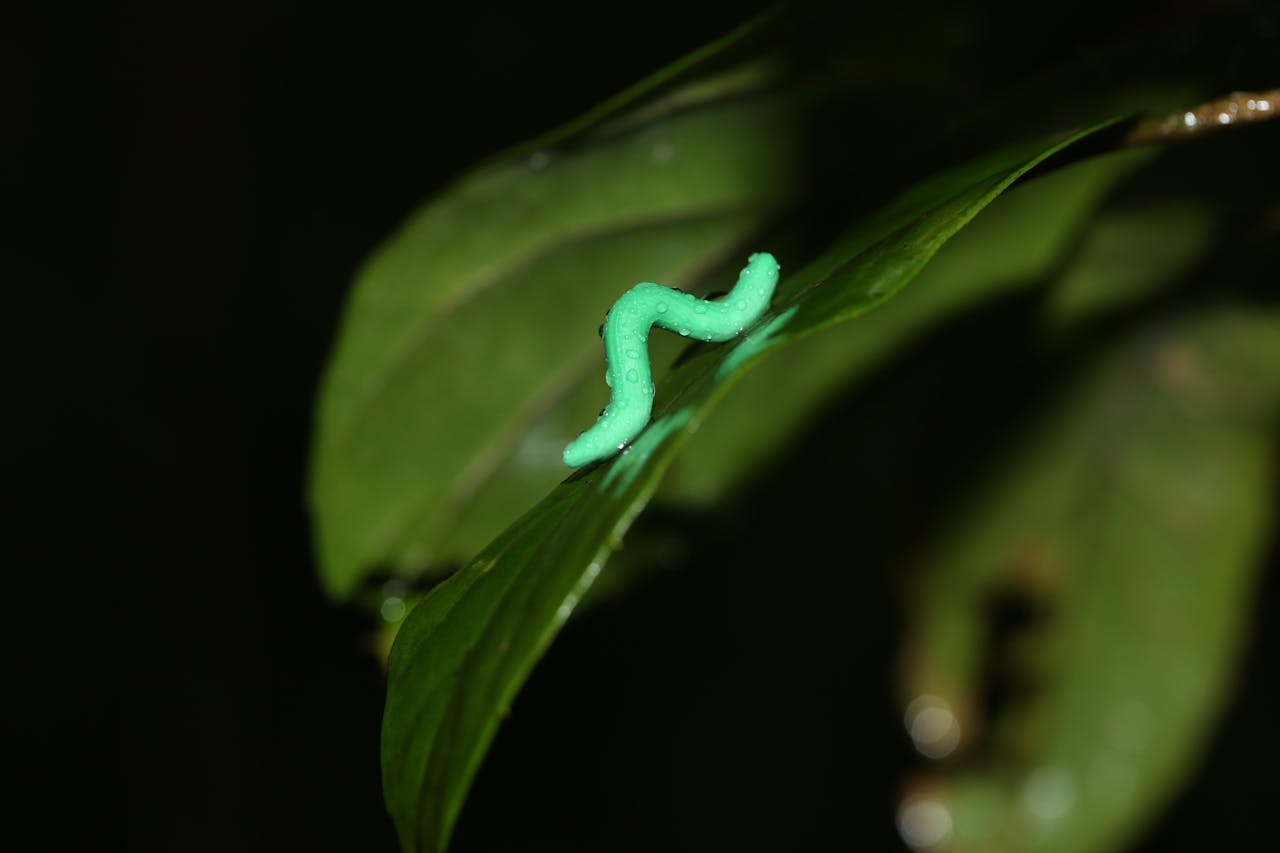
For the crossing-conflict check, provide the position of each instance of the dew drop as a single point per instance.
(631, 353)
(700, 308)
(924, 823)
(633, 376)
(393, 608)
(933, 727)
(684, 332)
(1048, 793)
(661, 307)
(740, 305)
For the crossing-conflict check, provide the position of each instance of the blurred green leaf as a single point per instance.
(1128, 528)
(452, 381)
(462, 330)
(463, 653)
(1129, 253)
(1017, 242)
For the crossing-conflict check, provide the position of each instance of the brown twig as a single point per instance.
(1229, 111)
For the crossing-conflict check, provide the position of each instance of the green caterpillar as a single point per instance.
(626, 335)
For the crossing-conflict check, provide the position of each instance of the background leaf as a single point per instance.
(1016, 243)
(491, 274)
(1129, 253)
(417, 463)
(463, 653)
(1126, 530)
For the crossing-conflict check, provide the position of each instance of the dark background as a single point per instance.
(190, 188)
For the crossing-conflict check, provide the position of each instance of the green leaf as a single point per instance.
(416, 461)
(1133, 522)
(1128, 254)
(460, 331)
(1017, 243)
(463, 653)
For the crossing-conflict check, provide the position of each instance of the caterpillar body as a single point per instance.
(626, 335)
